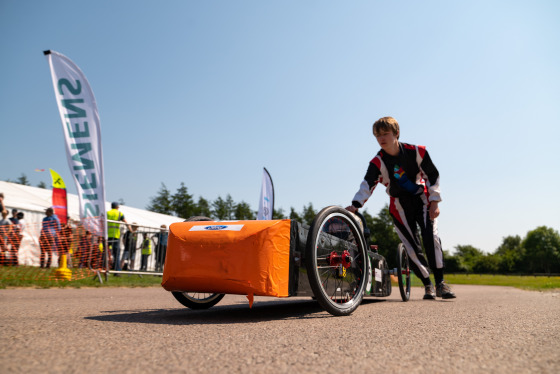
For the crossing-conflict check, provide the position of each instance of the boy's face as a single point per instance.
(387, 141)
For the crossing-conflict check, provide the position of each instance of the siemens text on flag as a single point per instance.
(81, 127)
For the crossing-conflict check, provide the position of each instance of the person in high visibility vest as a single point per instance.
(114, 234)
(146, 252)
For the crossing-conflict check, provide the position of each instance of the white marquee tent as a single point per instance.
(33, 201)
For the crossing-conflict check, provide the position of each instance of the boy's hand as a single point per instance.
(434, 210)
(351, 209)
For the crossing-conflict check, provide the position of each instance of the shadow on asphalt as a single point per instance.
(239, 313)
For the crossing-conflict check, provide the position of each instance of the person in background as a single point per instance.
(146, 251)
(65, 242)
(114, 234)
(161, 247)
(21, 220)
(130, 240)
(21, 229)
(14, 218)
(16, 237)
(2, 207)
(85, 249)
(98, 253)
(5, 235)
(48, 240)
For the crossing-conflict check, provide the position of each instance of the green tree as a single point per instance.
(369, 224)
(308, 214)
(42, 185)
(294, 215)
(278, 214)
(468, 256)
(182, 202)
(452, 263)
(384, 235)
(487, 264)
(510, 254)
(243, 211)
(202, 208)
(223, 209)
(542, 250)
(23, 180)
(161, 203)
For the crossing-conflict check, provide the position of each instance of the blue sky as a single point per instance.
(210, 92)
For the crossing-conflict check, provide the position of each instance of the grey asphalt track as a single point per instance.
(144, 330)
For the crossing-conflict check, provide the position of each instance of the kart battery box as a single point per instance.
(233, 257)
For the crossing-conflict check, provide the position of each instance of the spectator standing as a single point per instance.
(65, 241)
(130, 240)
(114, 234)
(21, 220)
(48, 240)
(14, 218)
(2, 207)
(146, 251)
(16, 237)
(5, 234)
(85, 250)
(98, 252)
(161, 247)
(20, 229)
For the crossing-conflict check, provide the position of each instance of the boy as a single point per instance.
(412, 182)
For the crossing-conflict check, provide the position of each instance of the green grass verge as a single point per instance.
(10, 280)
(46, 280)
(525, 282)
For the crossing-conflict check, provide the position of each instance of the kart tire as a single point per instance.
(198, 300)
(403, 272)
(339, 291)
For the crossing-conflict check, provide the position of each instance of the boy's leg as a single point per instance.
(434, 251)
(431, 240)
(402, 212)
(42, 256)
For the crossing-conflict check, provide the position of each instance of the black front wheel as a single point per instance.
(336, 261)
(198, 300)
(403, 272)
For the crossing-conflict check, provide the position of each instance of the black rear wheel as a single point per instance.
(336, 261)
(198, 300)
(403, 272)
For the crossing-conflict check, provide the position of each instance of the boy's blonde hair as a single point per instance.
(386, 124)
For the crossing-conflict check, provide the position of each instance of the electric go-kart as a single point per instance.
(330, 261)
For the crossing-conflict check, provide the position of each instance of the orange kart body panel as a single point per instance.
(237, 257)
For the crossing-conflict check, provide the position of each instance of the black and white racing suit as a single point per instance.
(412, 182)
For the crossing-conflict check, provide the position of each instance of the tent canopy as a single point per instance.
(33, 201)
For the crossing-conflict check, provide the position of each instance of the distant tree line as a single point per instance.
(537, 252)
(182, 204)
(25, 181)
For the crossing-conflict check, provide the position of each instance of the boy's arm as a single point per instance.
(366, 187)
(431, 176)
(434, 210)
